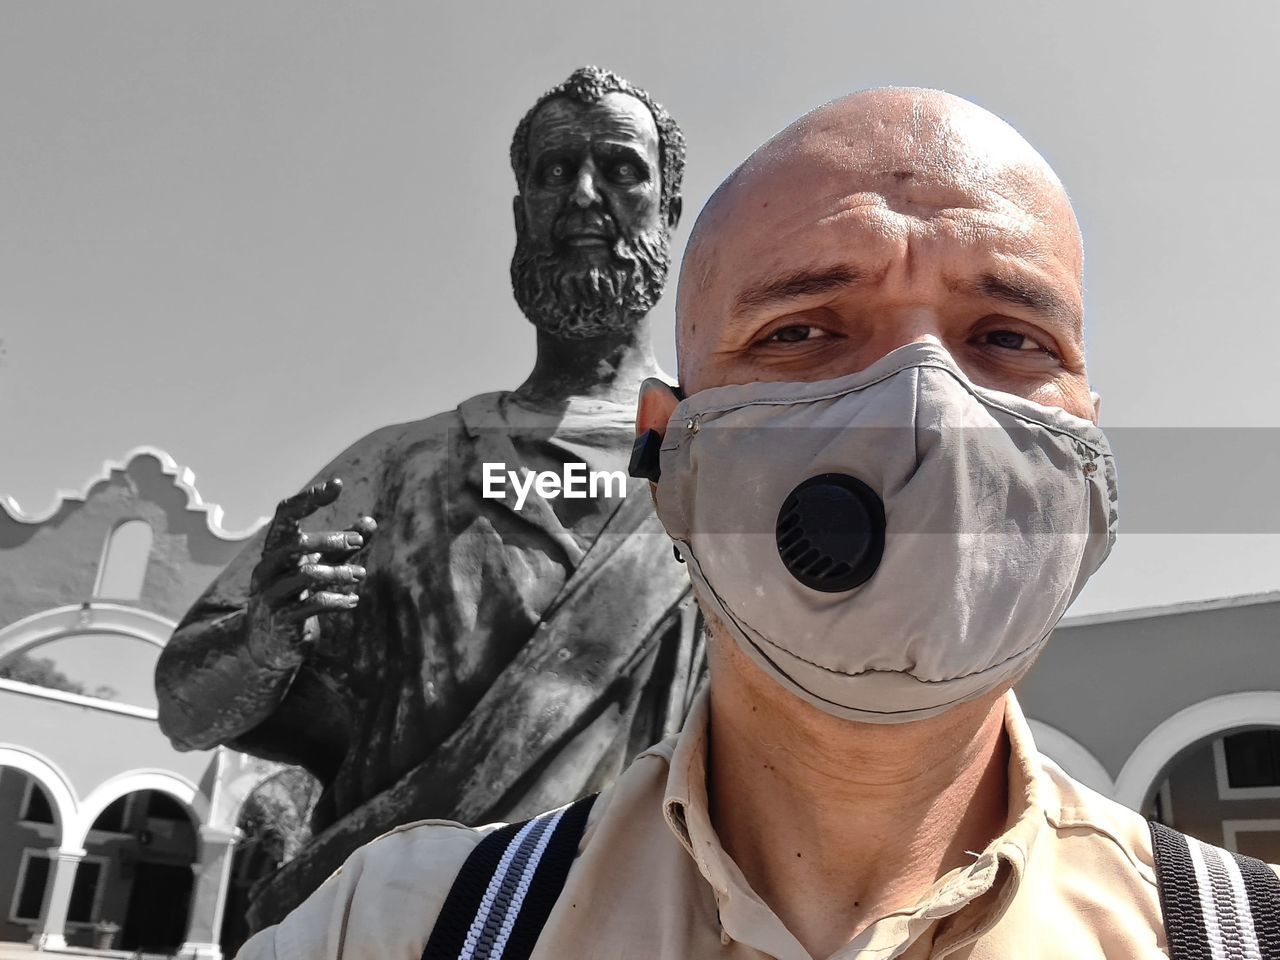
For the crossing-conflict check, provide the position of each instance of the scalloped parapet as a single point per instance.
(184, 479)
(53, 558)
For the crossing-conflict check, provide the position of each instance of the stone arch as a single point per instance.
(79, 619)
(1186, 728)
(55, 783)
(179, 788)
(1073, 756)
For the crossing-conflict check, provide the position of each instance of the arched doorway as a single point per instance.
(37, 808)
(146, 843)
(1225, 790)
(29, 830)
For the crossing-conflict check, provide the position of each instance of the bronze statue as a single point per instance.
(464, 657)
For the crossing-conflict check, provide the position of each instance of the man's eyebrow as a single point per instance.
(791, 286)
(1022, 292)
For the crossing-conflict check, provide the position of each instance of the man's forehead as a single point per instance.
(824, 170)
(808, 199)
(615, 116)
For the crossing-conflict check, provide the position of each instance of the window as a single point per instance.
(161, 806)
(33, 878)
(1252, 758)
(84, 891)
(35, 805)
(1254, 838)
(115, 818)
(33, 874)
(124, 561)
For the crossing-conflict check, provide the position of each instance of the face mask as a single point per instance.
(888, 544)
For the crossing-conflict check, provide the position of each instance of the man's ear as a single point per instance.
(517, 212)
(1097, 407)
(657, 403)
(674, 211)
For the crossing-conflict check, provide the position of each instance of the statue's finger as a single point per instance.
(306, 502)
(320, 575)
(365, 527)
(288, 553)
(313, 577)
(291, 510)
(331, 542)
(321, 603)
(357, 537)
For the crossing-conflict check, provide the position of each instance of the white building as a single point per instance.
(101, 820)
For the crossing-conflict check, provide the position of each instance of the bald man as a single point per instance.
(883, 472)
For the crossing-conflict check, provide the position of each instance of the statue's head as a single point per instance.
(598, 166)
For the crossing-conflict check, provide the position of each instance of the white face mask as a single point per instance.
(930, 578)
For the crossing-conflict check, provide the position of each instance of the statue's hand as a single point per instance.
(302, 576)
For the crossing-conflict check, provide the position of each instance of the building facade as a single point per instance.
(1174, 711)
(102, 823)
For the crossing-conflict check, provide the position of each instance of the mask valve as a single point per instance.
(830, 532)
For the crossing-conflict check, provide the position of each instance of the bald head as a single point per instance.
(888, 216)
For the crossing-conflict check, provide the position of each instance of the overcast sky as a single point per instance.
(250, 232)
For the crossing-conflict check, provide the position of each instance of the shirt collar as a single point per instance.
(972, 898)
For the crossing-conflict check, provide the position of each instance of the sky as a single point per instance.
(249, 233)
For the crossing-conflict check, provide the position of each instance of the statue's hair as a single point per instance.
(590, 85)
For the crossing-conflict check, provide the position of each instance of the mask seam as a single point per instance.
(964, 676)
(915, 422)
(744, 626)
(1094, 446)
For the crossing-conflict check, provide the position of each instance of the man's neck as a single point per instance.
(609, 367)
(836, 824)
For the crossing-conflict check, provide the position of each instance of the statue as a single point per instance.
(467, 656)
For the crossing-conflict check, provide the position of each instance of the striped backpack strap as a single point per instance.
(504, 893)
(1217, 905)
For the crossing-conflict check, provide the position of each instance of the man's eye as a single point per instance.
(795, 334)
(626, 172)
(1011, 340)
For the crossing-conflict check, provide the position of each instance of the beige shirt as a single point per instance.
(1070, 878)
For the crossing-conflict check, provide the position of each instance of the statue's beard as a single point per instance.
(575, 302)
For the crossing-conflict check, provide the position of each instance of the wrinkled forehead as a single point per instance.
(798, 194)
(565, 123)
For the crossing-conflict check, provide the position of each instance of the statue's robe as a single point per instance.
(499, 662)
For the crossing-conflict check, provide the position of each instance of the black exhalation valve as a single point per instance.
(831, 532)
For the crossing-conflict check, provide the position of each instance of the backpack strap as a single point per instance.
(1217, 905)
(504, 892)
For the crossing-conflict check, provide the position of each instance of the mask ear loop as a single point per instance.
(645, 457)
(645, 452)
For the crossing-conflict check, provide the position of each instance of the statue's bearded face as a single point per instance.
(592, 243)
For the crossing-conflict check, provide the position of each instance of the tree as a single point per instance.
(40, 671)
(276, 817)
(43, 672)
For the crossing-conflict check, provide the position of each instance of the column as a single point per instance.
(51, 931)
(209, 895)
